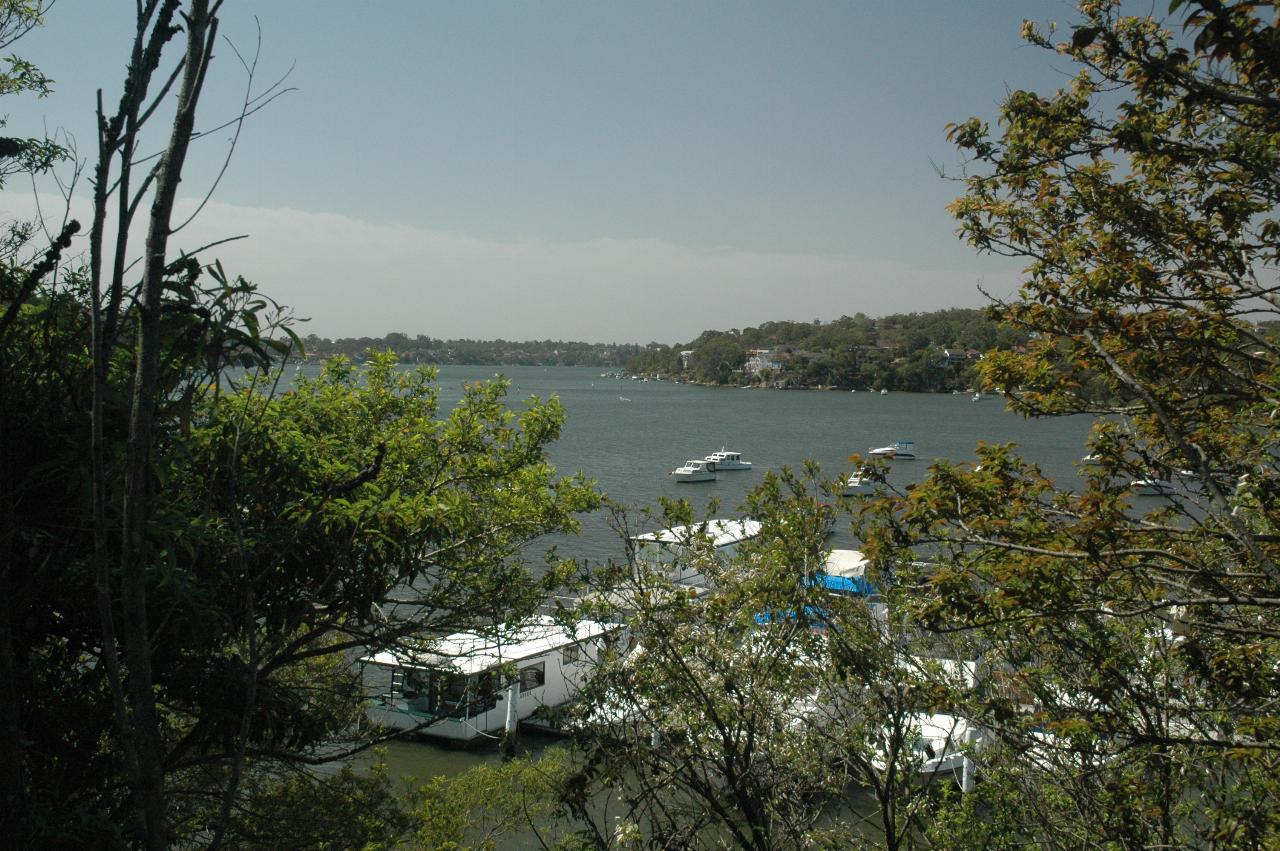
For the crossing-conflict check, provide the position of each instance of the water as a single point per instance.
(628, 447)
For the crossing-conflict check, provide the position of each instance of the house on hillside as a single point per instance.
(759, 360)
(961, 356)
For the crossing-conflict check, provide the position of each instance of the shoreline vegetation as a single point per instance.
(934, 352)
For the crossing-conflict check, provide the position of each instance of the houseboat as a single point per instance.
(459, 687)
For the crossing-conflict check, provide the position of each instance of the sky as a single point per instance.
(597, 171)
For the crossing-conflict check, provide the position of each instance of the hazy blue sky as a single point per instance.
(589, 170)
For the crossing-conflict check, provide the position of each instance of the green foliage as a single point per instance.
(492, 805)
(287, 522)
(304, 810)
(17, 76)
(1129, 649)
(718, 358)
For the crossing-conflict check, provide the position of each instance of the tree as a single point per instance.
(189, 570)
(1130, 648)
(716, 359)
(18, 75)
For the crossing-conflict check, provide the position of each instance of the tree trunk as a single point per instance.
(201, 29)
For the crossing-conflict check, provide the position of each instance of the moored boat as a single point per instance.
(694, 470)
(858, 484)
(902, 450)
(726, 460)
(460, 687)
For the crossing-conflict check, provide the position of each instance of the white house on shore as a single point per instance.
(759, 360)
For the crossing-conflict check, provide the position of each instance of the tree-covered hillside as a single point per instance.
(908, 351)
(423, 349)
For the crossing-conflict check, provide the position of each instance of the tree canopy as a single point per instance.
(1130, 643)
(192, 553)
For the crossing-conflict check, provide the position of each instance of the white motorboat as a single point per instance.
(1152, 487)
(467, 685)
(694, 470)
(902, 450)
(884, 391)
(858, 484)
(726, 460)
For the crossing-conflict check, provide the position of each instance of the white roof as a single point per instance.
(722, 533)
(943, 728)
(470, 653)
(848, 563)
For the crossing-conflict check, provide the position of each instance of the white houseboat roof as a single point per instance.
(471, 653)
(722, 533)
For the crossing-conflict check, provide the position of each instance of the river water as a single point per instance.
(627, 435)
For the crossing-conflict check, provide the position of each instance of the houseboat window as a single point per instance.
(486, 692)
(453, 692)
(571, 654)
(533, 676)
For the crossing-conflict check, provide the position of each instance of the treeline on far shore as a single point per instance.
(920, 352)
(428, 350)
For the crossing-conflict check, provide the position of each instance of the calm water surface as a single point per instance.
(628, 434)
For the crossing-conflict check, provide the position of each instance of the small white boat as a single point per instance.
(726, 460)
(694, 470)
(978, 397)
(858, 484)
(1152, 487)
(902, 450)
(884, 391)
